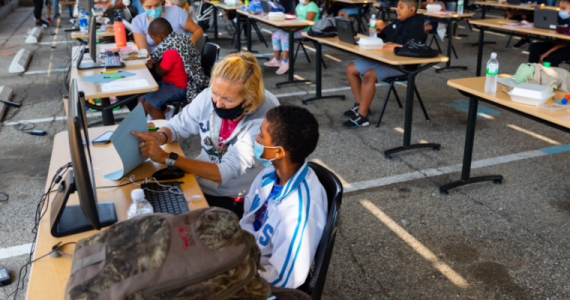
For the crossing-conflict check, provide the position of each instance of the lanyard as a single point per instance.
(213, 134)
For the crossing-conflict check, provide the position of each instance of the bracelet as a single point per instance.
(165, 136)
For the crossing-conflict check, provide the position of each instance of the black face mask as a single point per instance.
(229, 113)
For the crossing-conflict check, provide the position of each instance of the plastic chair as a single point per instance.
(392, 81)
(200, 44)
(301, 45)
(315, 282)
(210, 55)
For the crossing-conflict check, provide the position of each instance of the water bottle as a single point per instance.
(460, 7)
(373, 32)
(83, 21)
(139, 206)
(492, 73)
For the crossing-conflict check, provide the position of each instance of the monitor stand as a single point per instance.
(68, 220)
(87, 66)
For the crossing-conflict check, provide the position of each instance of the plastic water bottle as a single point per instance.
(373, 33)
(84, 21)
(460, 7)
(492, 73)
(139, 206)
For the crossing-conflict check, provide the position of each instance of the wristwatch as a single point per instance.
(171, 159)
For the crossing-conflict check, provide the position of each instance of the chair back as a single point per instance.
(451, 6)
(200, 44)
(210, 55)
(315, 282)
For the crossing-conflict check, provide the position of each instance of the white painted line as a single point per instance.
(15, 251)
(535, 135)
(352, 187)
(44, 120)
(45, 71)
(56, 42)
(346, 88)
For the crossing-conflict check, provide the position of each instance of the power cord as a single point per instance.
(23, 127)
(41, 210)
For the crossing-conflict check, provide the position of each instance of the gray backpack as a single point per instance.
(202, 254)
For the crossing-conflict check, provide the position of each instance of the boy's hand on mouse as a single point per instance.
(150, 147)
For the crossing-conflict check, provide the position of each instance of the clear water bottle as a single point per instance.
(460, 7)
(492, 74)
(83, 21)
(373, 33)
(139, 206)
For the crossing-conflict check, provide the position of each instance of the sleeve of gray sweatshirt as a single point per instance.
(187, 122)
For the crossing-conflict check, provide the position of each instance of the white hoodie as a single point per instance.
(295, 221)
(235, 159)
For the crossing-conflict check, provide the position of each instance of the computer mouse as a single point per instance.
(168, 173)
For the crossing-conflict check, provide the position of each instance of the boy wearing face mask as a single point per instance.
(552, 52)
(286, 207)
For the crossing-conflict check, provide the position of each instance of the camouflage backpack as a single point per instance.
(202, 254)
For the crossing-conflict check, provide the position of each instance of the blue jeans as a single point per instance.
(56, 8)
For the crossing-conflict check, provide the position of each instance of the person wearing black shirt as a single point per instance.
(552, 52)
(409, 26)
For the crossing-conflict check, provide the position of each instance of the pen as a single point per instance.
(153, 128)
(113, 77)
(107, 72)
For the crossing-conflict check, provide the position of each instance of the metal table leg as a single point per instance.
(408, 122)
(480, 51)
(468, 154)
(291, 61)
(450, 35)
(319, 95)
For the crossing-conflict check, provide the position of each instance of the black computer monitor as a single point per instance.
(72, 219)
(92, 48)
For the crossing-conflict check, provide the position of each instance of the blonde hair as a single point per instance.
(184, 5)
(242, 68)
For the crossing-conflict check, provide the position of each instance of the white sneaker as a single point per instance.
(273, 63)
(283, 68)
(169, 113)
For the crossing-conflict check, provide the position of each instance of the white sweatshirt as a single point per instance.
(235, 159)
(296, 218)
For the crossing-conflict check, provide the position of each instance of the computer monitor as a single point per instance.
(92, 48)
(72, 219)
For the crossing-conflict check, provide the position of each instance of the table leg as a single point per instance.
(291, 72)
(108, 117)
(319, 95)
(468, 154)
(484, 10)
(215, 10)
(408, 123)
(248, 34)
(359, 21)
(238, 33)
(450, 35)
(480, 51)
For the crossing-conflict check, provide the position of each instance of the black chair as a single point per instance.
(315, 282)
(301, 45)
(210, 55)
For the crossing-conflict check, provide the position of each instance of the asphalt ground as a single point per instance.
(398, 237)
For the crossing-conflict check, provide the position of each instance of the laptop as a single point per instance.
(265, 6)
(514, 2)
(545, 18)
(345, 31)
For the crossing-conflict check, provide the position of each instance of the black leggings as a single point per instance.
(554, 58)
(227, 203)
(38, 6)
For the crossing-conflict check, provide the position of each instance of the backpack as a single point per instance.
(202, 254)
(325, 27)
(414, 49)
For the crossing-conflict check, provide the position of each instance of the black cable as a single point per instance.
(44, 203)
(21, 126)
(116, 186)
(5, 198)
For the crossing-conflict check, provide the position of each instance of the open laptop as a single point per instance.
(545, 18)
(514, 2)
(345, 31)
(265, 6)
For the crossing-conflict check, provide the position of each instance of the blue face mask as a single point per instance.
(154, 13)
(258, 152)
(564, 14)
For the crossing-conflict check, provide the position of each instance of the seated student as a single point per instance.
(286, 207)
(552, 52)
(430, 23)
(179, 58)
(306, 10)
(409, 26)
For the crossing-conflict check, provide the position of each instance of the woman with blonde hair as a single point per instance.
(182, 4)
(227, 116)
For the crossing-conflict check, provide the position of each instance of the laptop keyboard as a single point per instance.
(164, 199)
(113, 61)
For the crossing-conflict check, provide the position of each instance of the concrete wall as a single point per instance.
(7, 9)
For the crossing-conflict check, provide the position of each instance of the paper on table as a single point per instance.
(126, 144)
(124, 85)
(100, 78)
(510, 82)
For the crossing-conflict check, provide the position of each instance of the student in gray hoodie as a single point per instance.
(227, 116)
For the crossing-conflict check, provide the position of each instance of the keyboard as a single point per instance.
(163, 200)
(113, 61)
